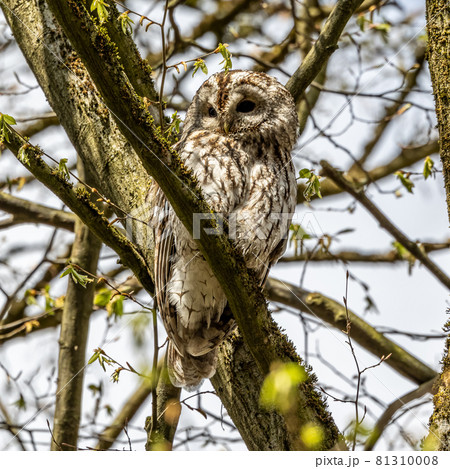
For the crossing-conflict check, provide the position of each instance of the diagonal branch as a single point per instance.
(325, 45)
(79, 202)
(406, 157)
(385, 223)
(383, 421)
(333, 313)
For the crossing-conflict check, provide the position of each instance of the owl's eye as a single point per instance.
(212, 112)
(245, 106)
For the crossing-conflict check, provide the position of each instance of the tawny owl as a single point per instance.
(237, 139)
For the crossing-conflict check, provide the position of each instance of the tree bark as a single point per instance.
(438, 53)
(78, 305)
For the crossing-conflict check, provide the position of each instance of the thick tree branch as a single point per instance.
(439, 63)
(78, 305)
(354, 256)
(138, 71)
(161, 434)
(333, 313)
(24, 211)
(439, 435)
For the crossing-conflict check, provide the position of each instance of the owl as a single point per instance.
(237, 139)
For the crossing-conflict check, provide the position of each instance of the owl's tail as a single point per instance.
(189, 371)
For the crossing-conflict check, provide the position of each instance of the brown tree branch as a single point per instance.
(438, 56)
(354, 256)
(162, 432)
(24, 211)
(385, 223)
(78, 305)
(387, 415)
(325, 45)
(407, 157)
(333, 313)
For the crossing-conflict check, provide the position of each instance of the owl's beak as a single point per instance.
(227, 124)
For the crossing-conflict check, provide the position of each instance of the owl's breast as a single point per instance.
(220, 166)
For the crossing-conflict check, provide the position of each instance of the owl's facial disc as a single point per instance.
(243, 112)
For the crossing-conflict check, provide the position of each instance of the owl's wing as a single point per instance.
(164, 253)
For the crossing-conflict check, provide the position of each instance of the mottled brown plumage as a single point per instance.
(237, 138)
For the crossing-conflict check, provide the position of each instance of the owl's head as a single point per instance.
(240, 102)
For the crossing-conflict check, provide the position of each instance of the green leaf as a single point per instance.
(305, 173)
(49, 301)
(115, 375)
(174, 127)
(21, 403)
(402, 252)
(200, 64)
(5, 120)
(95, 389)
(101, 7)
(298, 232)
(115, 307)
(125, 23)
(313, 184)
(9, 119)
(103, 297)
(428, 167)
(22, 154)
(30, 297)
(63, 169)
(279, 389)
(94, 357)
(361, 22)
(384, 28)
(77, 278)
(227, 63)
(404, 179)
